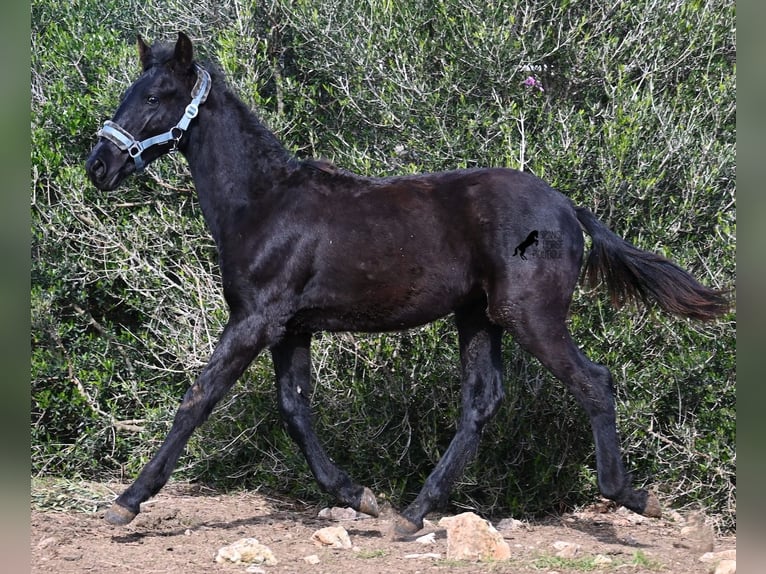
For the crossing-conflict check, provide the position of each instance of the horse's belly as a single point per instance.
(382, 308)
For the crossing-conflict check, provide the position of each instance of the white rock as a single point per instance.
(429, 538)
(433, 555)
(711, 557)
(698, 533)
(566, 549)
(338, 513)
(630, 516)
(333, 536)
(726, 567)
(601, 560)
(510, 524)
(470, 537)
(247, 551)
(673, 515)
(46, 542)
(313, 559)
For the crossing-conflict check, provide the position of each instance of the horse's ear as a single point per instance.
(144, 51)
(184, 52)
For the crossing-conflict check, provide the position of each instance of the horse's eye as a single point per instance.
(153, 100)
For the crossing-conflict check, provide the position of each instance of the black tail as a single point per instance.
(633, 274)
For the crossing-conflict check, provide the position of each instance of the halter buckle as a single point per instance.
(135, 150)
(191, 111)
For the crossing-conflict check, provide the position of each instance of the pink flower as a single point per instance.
(532, 82)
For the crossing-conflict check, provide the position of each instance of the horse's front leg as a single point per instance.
(240, 342)
(482, 393)
(292, 364)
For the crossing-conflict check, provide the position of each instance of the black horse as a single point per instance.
(305, 247)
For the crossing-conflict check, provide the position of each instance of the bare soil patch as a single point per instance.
(181, 530)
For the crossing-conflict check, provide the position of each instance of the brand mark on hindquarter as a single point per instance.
(548, 244)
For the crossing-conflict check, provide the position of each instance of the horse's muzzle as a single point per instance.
(107, 167)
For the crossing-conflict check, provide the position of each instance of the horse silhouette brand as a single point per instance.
(522, 247)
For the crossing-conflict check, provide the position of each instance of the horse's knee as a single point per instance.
(293, 406)
(598, 393)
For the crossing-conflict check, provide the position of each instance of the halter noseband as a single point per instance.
(120, 137)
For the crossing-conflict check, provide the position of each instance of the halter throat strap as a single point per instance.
(122, 138)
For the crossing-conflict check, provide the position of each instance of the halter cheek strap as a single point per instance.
(122, 138)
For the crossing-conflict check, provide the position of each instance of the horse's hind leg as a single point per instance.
(482, 393)
(292, 364)
(538, 325)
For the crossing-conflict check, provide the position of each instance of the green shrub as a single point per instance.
(630, 110)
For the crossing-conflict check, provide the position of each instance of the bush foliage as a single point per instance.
(627, 107)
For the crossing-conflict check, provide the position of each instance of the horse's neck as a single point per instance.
(235, 161)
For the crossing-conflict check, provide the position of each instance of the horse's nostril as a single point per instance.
(97, 168)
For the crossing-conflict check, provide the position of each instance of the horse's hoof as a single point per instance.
(404, 527)
(652, 508)
(368, 504)
(119, 515)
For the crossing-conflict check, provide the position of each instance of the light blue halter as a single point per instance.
(126, 142)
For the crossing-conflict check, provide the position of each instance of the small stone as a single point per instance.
(470, 537)
(510, 524)
(433, 555)
(726, 567)
(46, 542)
(601, 560)
(712, 557)
(674, 516)
(247, 551)
(333, 536)
(338, 513)
(630, 540)
(566, 549)
(698, 534)
(629, 516)
(312, 559)
(71, 555)
(429, 538)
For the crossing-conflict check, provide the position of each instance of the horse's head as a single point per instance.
(153, 115)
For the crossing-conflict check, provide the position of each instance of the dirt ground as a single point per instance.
(181, 530)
